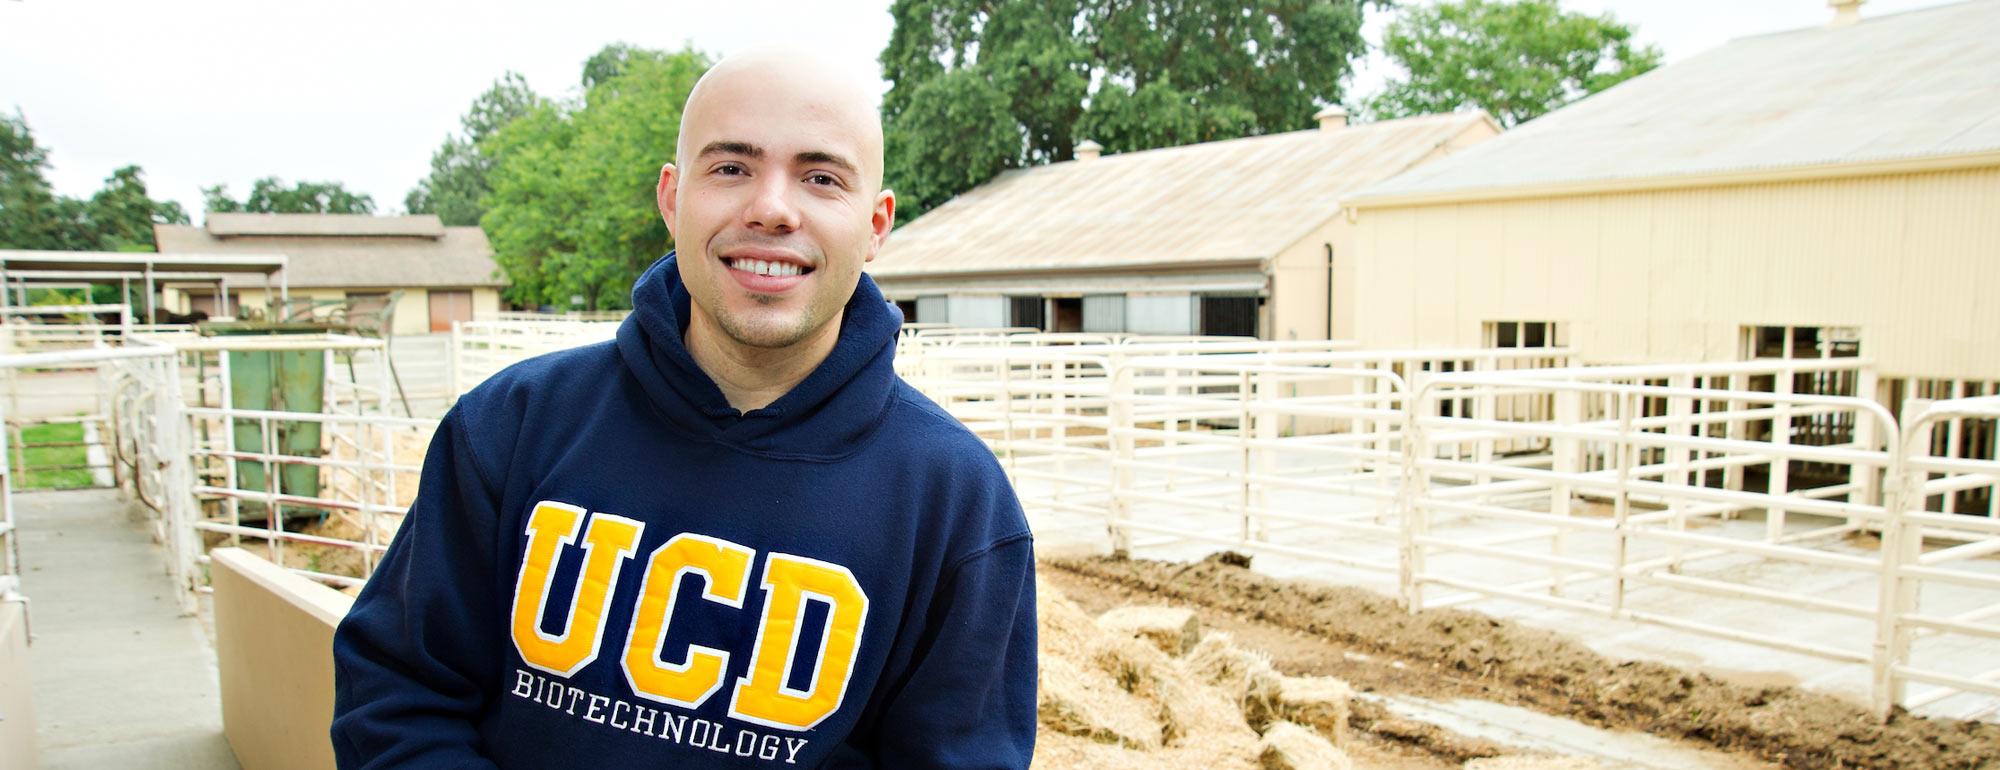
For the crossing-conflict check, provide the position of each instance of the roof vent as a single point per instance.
(1846, 13)
(1089, 150)
(1332, 118)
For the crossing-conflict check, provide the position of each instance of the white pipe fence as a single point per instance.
(480, 349)
(1449, 477)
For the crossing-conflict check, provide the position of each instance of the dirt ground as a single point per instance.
(1366, 639)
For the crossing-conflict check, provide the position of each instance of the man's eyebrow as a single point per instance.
(745, 149)
(828, 159)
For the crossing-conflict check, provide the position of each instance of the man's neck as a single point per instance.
(753, 377)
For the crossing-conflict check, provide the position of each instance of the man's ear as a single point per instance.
(667, 195)
(881, 220)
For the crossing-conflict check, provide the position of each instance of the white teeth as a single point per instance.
(762, 267)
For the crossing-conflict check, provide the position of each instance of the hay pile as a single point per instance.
(1143, 688)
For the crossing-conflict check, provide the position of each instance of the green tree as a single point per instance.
(122, 214)
(1516, 59)
(271, 195)
(458, 180)
(571, 210)
(119, 217)
(31, 215)
(1128, 74)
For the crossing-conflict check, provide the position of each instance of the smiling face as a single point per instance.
(775, 201)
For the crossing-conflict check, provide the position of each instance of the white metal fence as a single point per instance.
(1687, 496)
(480, 349)
(1643, 507)
(1944, 587)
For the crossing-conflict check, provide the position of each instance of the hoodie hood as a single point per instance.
(825, 417)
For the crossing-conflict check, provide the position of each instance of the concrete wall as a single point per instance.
(274, 641)
(1299, 285)
(17, 704)
(1674, 275)
(1299, 273)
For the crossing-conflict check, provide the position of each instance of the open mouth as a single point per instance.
(773, 268)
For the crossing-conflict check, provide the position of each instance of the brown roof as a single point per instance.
(1237, 199)
(232, 225)
(347, 250)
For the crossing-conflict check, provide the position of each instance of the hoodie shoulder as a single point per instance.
(937, 427)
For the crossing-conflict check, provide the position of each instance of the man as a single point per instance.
(732, 538)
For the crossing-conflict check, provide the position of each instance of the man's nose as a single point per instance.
(773, 207)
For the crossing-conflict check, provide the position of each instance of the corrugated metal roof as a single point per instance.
(360, 256)
(410, 225)
(1908, 85)
(1237, 199)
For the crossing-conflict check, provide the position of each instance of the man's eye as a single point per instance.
(823, 179)
(729, 169)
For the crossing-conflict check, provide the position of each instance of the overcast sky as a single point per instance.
(200, 92)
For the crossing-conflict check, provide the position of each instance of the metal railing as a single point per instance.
(1449, 477)
(568, 315)
(1645, 502)
(1944, 590)
(480, 349)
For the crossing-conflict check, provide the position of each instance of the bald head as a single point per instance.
(827, 98)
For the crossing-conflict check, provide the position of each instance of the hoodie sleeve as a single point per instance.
(970, 699)
(414, 660)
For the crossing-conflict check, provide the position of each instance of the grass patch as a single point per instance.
(70, 451)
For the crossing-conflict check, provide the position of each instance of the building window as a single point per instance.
(1801, 342)
(909, 308)
(1525, 334)
(1025, 312)
(1229, 316)
(1817, 428)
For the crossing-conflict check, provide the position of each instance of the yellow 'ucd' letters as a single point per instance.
(605, 548)
(790, 582)
(763, 696)
(725, 567)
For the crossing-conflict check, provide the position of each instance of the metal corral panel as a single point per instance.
(1104, 313)
(977, 312)
(1908, 259)
(1160, 314)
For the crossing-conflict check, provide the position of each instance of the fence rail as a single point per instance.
(1447, 477)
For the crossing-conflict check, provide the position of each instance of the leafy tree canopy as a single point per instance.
(980, 87)
(570, 212)
(1516, 59)
(271, 195)
(119, 217)
(457, 180)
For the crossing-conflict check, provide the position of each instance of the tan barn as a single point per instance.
(1822, 192)
(444, 273)
(1242, 236)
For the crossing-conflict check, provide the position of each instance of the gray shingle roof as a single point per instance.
(1237, 199)
(341, 250)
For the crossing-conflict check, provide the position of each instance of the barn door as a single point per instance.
(449, 306)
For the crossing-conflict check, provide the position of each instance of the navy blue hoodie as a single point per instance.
(607, 566)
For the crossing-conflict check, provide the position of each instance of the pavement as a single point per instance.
(121, 678)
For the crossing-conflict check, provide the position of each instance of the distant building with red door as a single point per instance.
(444, 273)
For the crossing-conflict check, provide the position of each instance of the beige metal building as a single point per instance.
(1827, 191)
(1242, 236)
(444, 273)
